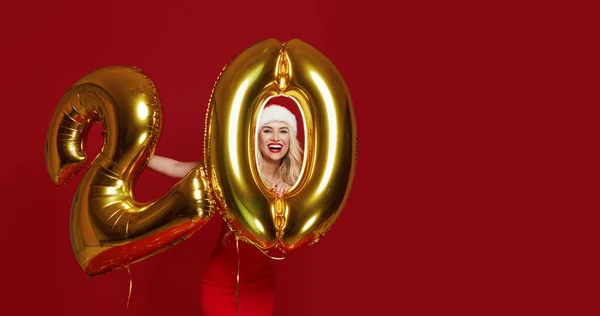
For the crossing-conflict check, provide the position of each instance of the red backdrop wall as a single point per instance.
(445, 213)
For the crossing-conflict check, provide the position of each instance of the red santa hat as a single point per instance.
(277, 113)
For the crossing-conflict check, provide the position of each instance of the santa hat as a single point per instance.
(277, 113)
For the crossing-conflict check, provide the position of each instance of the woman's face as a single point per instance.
(274, 140)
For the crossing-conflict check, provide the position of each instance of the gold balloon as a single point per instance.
(306, 212)
(109, 228)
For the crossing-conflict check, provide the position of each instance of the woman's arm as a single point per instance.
(171, 167)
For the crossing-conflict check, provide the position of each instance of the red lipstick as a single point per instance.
(275, 147)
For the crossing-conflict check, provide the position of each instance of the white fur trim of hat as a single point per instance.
(277, 113)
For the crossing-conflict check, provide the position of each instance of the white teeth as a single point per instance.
(275, 146)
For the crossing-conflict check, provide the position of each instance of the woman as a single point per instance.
(279, 158)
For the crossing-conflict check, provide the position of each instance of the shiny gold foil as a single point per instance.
(109, 228)
(306, 212)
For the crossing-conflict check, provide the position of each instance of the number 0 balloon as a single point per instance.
(302, 215)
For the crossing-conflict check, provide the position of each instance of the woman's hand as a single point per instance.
(280, 187)
(171, 167)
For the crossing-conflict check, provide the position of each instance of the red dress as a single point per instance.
(217, 290)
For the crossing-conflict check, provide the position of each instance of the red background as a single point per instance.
(466, 197)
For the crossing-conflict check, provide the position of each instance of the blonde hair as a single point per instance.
(291, 164)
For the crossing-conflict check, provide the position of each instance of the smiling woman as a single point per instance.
(279, 155)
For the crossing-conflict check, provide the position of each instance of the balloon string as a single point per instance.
(237, 280)
(266, 254)
(262, 250)
(130, 286)
(237, 277)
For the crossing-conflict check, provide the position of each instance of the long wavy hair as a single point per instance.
(291, 163)
(288, 171)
